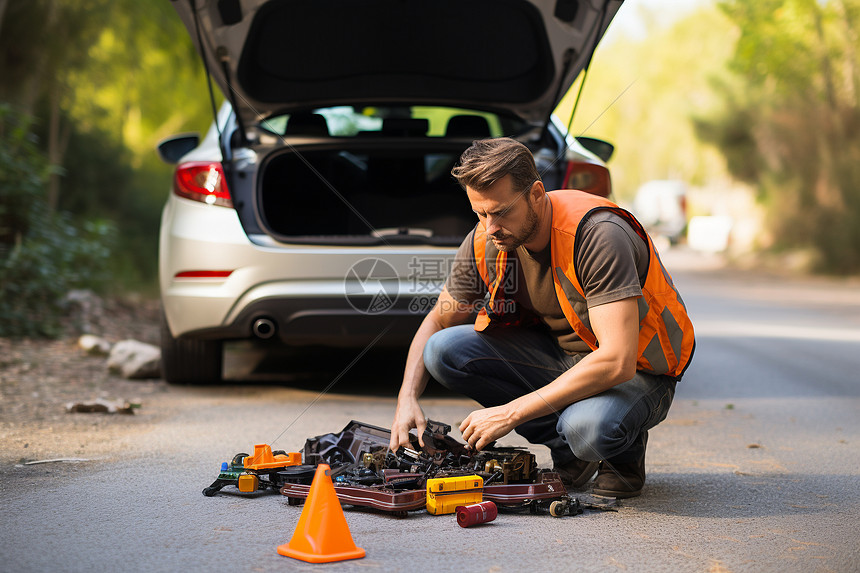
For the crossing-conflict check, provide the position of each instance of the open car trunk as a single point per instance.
(268, 56)
(364, 195)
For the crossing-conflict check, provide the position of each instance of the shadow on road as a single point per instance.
(377, 372)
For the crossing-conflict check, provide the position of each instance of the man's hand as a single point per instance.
(446, 312)
(483, 427)
(408, 415)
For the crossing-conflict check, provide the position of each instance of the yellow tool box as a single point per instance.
(445, 494)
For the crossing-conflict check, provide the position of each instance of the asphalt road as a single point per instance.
(757, 467)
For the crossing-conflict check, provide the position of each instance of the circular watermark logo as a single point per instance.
(371, 286)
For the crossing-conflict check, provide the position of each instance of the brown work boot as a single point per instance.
(622, 479)
(576, 472)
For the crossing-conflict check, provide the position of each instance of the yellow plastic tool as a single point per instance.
(445, 494)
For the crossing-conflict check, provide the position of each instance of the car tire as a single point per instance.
(189, 361)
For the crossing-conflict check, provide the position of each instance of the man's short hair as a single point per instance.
(488, 160)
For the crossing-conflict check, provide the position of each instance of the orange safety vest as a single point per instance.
(666, 338)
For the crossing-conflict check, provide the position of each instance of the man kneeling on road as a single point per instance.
(582, 340)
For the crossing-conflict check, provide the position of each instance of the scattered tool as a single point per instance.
(254, 473)
(469, 515)
(444, 495)
(369, 475)
(366, 473)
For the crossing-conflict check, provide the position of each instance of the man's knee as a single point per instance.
(592, 439)
(440, 354)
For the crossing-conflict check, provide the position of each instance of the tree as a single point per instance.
(42, 42)
(791, 123)
(642, 92)
(105, 79)
(42, 254)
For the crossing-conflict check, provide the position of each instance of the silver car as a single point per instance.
(319, 208)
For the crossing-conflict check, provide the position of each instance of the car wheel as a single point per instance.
(189, 361)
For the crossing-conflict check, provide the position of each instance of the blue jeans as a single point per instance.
(498, 366)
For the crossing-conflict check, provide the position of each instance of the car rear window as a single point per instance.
(411, 121)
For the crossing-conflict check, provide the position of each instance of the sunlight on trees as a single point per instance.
(641, 95)
(791, 124)
(106, 80)
(764, 92)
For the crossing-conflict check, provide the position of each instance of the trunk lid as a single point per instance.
(280, 55)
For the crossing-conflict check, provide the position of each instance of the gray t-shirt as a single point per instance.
(612, 261)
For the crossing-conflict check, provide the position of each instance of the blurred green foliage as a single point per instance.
(641, 94)
(790, 122)
(43, 254)
(23, 173)
(766, 92)
(106, 80)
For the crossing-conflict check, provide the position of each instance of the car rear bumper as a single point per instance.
(309, 292)
(318, 321)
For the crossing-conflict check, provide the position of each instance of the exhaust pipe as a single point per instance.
(264, 328)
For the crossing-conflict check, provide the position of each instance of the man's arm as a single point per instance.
(616, 326)
(445, 313)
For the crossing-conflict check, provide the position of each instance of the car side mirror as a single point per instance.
(602, 149)
(172, 149)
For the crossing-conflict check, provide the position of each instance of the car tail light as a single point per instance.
(203, 274)
(589, 177)
(202, 181)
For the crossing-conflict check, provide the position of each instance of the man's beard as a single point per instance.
(526, 234)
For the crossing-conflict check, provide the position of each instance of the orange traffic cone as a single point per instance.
(322, 535)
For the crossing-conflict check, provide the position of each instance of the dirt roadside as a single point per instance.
(39, 377)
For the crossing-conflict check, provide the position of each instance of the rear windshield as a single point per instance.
(408, 121)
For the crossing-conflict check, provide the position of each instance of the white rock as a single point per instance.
(135, 359)
(92, 344)
(85, 309)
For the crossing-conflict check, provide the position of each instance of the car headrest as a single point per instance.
(405, 126)
(307, 124)
(467, 126)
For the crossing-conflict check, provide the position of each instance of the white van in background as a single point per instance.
(661, 206)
